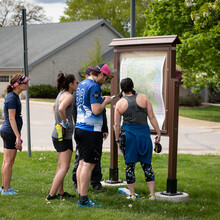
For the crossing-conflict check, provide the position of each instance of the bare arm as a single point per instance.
(11, 114)
(66, 101)
(117, 120)
(54, 109)
(97, 108)
(153, 120)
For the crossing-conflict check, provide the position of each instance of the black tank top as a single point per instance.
(134, 113)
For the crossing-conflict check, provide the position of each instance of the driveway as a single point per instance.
(194, 137)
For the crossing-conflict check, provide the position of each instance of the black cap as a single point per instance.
(88, 70)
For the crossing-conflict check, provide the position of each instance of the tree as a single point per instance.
(115, 12)
(197, 23)
(94, 58)
(11, 13)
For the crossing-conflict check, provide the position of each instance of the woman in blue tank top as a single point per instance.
(11, 129)
(133, 138)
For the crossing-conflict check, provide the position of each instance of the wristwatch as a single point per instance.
(117, 141)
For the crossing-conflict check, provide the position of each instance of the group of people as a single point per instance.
(82, 104)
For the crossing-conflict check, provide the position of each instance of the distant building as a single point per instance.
(51, 48)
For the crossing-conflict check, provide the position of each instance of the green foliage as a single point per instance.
(190, 100)
(208, 113)
(94, 58)
(33, 177)
(1, 114)
(115, 12)
(214, 94)
(106, 91)
(197, 23)
(43, 91)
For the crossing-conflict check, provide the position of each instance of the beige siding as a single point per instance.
(69, 58)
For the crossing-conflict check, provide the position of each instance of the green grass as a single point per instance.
(44, 100)
(209, 113)
(199, 176)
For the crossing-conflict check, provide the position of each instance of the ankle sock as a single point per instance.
(83, 199)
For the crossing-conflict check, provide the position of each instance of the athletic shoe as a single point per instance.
(1, 189)
(131, 197)
(66, 194)
(9, 192)
(88, 203)
(152, 198)
(16, 190)
(51, 197)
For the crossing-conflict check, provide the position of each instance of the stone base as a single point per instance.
(106, 183)
(183, 197)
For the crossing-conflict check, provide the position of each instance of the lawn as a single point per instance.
(208, 113)
(198, 176)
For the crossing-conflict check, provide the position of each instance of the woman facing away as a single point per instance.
(11, 129)
(133, 138)
(63, 131)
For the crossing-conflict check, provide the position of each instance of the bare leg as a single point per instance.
(64, 159)
(78, 173)
(8, 161)
(151, 185)
(85, 177)
(131, 188)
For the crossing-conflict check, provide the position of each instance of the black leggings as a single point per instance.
(130, 175)
(147, 168)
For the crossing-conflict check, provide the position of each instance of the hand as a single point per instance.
(18, 143)
(65, 124)
(105, 135)
(107, 99)
(157, 139)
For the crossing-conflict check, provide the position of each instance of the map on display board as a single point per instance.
(147, 75)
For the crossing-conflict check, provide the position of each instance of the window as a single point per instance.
(4, 78)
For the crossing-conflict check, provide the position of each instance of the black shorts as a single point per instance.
(9, 140)
(90, 145)
(64, 145)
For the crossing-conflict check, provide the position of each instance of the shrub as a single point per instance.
(190, 100)
(43, 91)
(105, 91)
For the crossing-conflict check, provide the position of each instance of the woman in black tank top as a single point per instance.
(133, 139)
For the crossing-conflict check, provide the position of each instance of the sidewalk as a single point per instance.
(194, 136)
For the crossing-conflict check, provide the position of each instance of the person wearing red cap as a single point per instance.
(97, 172)
(88, 129)
(11, 129)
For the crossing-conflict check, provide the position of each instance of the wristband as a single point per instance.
(65, 124)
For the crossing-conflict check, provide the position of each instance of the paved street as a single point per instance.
(195, 136)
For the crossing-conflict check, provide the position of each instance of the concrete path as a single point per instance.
(194, 137)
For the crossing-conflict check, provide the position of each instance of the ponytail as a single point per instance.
(9, 89)
(63, 81)
(60, 81)
(13, 80)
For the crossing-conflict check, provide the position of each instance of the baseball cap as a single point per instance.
(102, 68)
(88, 70)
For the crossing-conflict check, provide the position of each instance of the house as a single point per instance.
(51, 48)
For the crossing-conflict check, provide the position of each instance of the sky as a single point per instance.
(53, 8)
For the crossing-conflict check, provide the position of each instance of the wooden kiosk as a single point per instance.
(134, 52)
